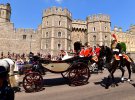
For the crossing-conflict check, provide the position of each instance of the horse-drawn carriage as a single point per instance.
(75, 70)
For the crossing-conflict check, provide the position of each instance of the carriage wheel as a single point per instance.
(32, 82)
(79, 75)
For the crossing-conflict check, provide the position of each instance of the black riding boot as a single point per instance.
(121, 61)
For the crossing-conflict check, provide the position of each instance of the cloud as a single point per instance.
(59, 1)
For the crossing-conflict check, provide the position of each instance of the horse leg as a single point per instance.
(113, 80)
(110, 76)
(108, 81)
(122, 76)
(129, 71)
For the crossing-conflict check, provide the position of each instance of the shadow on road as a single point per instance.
(103, 82)
(54, 82)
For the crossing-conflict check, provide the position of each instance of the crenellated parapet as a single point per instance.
(79, 25)
(132, 29)
(57, 11)
(5, 7)
(98, 17)
(21, 30)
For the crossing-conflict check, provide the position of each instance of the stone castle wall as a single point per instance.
(127, 37)
(59, 31)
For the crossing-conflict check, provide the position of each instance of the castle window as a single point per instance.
(105, 28)
(59, 34)
(46, 46)
(2, 12)
(59, 46)
(24, 37)
(47, 23)
(59, 23)
(94, 29)
(47, 34)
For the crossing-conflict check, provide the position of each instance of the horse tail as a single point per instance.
(132, 64)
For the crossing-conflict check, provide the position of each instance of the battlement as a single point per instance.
(21, 30)
(57, 11)
(5, 7)
(98, 17)
(117, 29)
(79, 24)
(132, 26)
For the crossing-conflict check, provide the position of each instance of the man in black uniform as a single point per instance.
(6, 92)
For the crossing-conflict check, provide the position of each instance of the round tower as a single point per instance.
(56, 30)
(99, 27)
(5, 13)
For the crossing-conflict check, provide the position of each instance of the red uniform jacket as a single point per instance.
(97, 51)
(82, 52)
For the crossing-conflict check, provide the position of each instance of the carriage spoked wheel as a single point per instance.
(33, 82)
(79, 74)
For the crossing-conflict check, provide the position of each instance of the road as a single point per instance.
(57, 89)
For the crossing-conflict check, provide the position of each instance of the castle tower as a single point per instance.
(56, 30)
(5, 12)
(99, 27)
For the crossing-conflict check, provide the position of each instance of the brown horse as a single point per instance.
(112, 64)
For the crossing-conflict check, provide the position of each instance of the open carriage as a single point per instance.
(75, 70)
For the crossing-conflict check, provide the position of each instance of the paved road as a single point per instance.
(57, 89)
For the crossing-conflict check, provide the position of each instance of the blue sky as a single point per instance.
(28, 13)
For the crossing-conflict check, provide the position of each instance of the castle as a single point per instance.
(59, 31)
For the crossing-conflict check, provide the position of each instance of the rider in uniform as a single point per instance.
(6, 92)
(117, 49)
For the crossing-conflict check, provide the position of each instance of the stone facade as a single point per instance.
(127, 37)
(56, 30)
(59, 31)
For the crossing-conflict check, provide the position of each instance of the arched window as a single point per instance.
(59, 46)
(94, 29)
(47, 23)
(59, 23)
(46, 46)
(59, 34)
(105, 28)
(47, 34)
